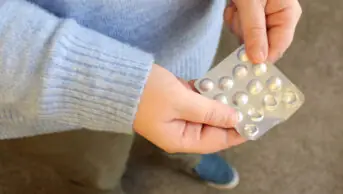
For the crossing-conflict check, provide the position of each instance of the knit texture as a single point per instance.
(70, 64)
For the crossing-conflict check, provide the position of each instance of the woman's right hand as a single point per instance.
(173, 116)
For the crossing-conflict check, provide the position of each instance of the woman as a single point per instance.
(120, 66)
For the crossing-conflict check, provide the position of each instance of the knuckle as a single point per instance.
(257, 30)
(227, 121)
(210, 116)
(254, 35)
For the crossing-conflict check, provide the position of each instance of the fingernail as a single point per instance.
(260, 57)
(257, 54)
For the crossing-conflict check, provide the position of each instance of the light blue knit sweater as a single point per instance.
(70, 64)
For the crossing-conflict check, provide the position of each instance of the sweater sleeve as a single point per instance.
(53, 69)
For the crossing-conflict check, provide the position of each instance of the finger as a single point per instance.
(210, 139)
(252, 18)
(277, 47)
(189, 85)
(192, 86)
(228, 13)
(191, 135)
(223, 138)
(236, 27)
(200, 109)
(282, 23)
(232, 19)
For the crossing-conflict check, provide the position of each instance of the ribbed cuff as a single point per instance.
(94, 81)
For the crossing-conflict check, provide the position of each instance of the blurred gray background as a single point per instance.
(301, 156)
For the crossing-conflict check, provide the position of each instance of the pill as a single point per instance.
(274, 83)
(255, 115)
(270, 101)
(255, 87)
(221, 98)
(240, 71)
(242, 55)
(225, 83)
(206, 85)
(289, 97)
(250, 130)
(240, 98)
(260, 69)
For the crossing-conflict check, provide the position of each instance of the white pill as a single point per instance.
(255, 115)
(221, 98)
(240, 71)
(289, 98)
(206, 85)
(260, 69)
(242, 55)
(270, 102)
(255, 87)
(274, 84)
(225, 83)
(250, 130)
(240, 98)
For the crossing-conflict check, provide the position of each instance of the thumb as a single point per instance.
(253, 22)
(199, 109)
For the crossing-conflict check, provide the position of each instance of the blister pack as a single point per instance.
(262, 95)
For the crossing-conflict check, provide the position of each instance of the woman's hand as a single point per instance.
(177, 119)
(266, 26)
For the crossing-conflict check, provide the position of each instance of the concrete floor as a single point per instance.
(301, 156)
(305, 154)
